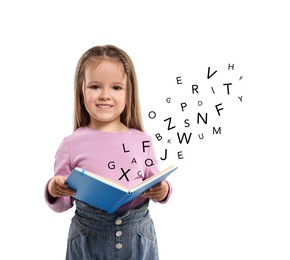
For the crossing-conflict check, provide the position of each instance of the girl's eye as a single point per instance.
(117, 88)
(95, 87)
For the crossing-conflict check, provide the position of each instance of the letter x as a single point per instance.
(124, 174)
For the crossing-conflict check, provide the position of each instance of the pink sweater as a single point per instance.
(127, 158)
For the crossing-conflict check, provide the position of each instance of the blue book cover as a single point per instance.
(106, 194)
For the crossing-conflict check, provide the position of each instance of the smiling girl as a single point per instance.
(107, 118)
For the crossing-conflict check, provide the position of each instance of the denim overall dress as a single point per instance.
(94, 234)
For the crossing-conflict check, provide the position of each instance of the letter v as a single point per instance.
(208, 73)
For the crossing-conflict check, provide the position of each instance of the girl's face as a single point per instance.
(105, 91)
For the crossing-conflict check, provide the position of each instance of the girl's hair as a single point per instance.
(131, 116)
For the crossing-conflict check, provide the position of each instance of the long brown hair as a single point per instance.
(131, 116)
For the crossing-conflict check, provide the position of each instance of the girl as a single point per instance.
(108, 139)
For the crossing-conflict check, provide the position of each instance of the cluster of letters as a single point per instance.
(136, 170)
(180, 127)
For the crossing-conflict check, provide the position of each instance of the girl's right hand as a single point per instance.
(58, 188)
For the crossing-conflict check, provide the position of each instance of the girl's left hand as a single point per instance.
(157, 192)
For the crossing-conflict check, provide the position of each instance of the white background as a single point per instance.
(231, 193)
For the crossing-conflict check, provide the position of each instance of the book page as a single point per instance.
(152, 178)
(103, 179)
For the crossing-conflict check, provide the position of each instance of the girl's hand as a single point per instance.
(157, 192)
(58, 188)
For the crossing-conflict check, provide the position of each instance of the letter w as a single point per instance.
(183, 136)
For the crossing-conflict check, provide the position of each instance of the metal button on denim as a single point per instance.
(118, 222)
(119, 245)
(119, 233)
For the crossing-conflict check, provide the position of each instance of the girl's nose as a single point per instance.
(105, 94)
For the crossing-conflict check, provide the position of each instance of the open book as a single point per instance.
(106, 194)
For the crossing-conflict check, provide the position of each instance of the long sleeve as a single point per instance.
(155, 168)
(62, 167)
(61, 204)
